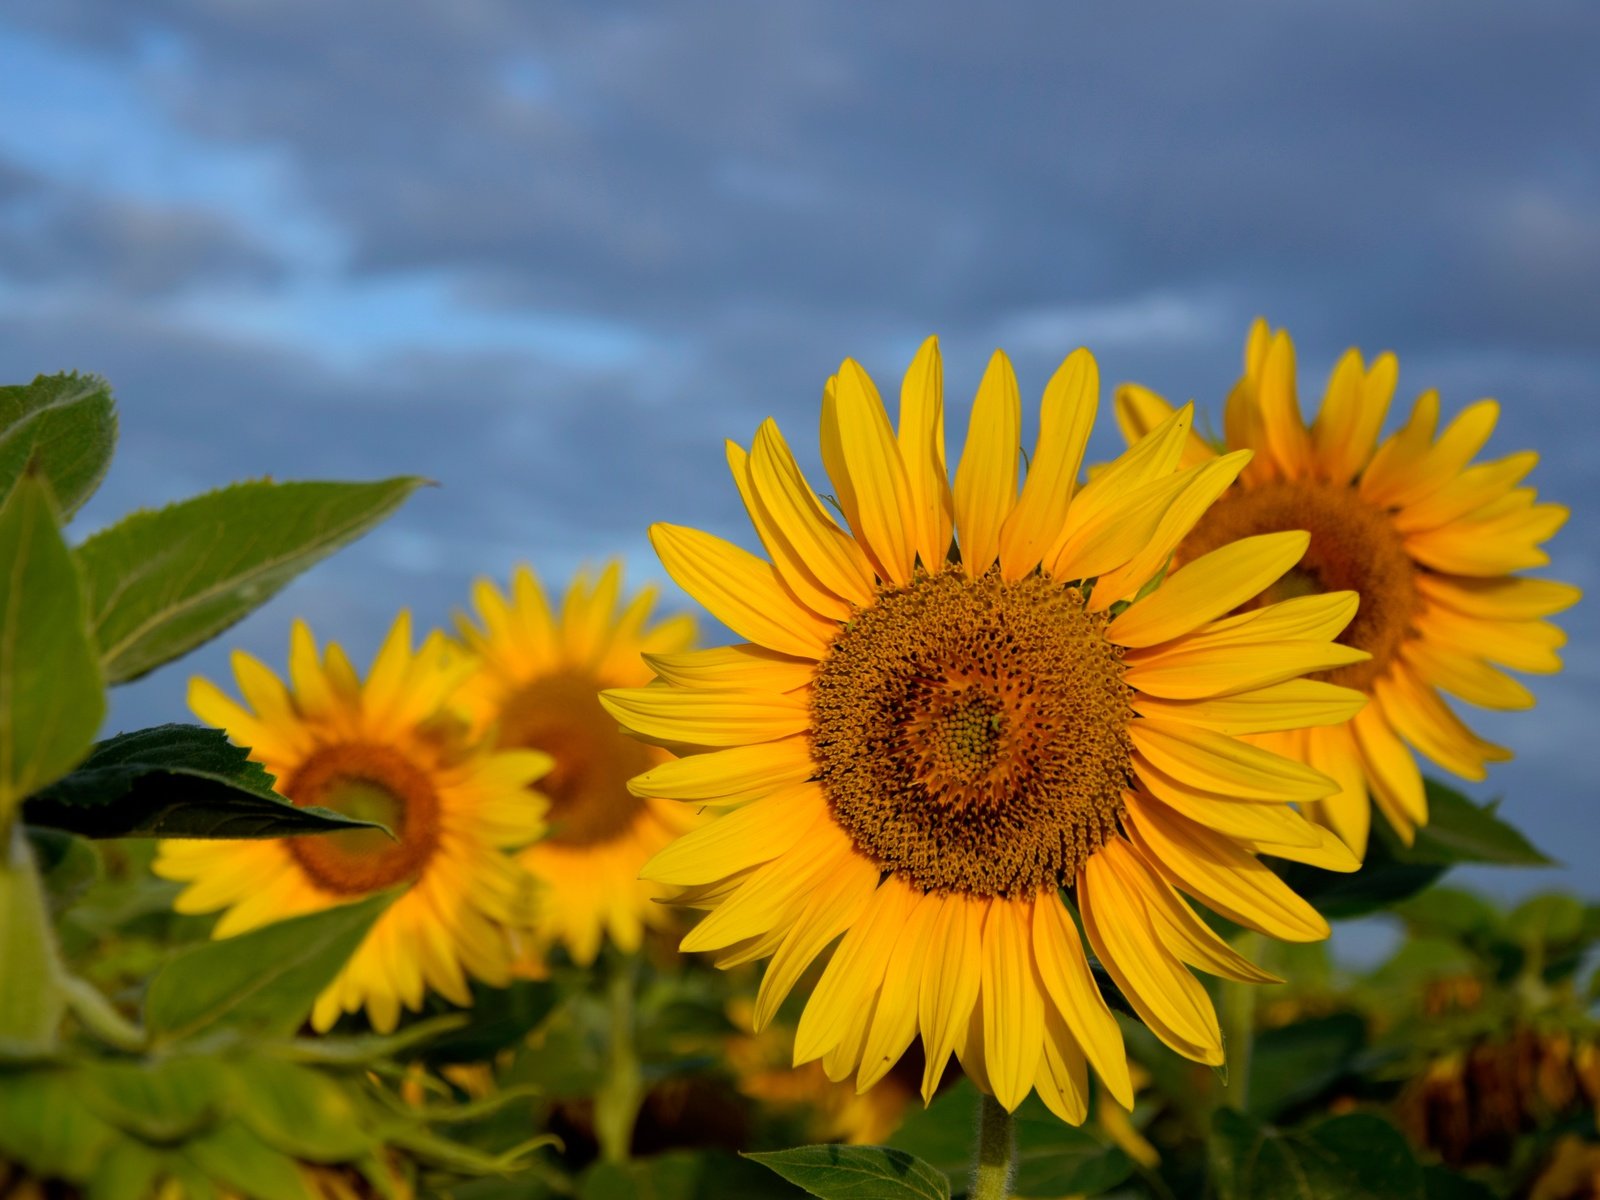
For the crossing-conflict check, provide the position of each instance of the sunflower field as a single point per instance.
(980, 834)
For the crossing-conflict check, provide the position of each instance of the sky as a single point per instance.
(551, 255)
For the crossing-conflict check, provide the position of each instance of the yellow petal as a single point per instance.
(835, 557)
(1505, 598)
(708, 716)
(774, 896)
(1211, 585)
(746, 837)
(1064, 971)
(833, 908)
(1280, 409)
(1294, 704)
(1466, 676)
(1317, 618)
(854, 972)
(1226, 878)
(1236, 818)
(932, 511)
(788, 560)
(1417, 714)
(871, 457)
(894, 1021)
(1119, 531)
(741, 591)
(1168, 999)
(1181, 671)
(1352, 414)
(1062, 1079)
(986, 479)
(1139, 410)
(1391, 770)
(950, 981)
(743, 666)
(1400, 454)
(1065, 419)
(1347, 812)
(1013, 1013)
(729, 776)
(1218, 763)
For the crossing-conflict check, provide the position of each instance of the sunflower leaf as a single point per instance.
(1344, 1158)
(66, 427)
(1459, 831)
(162, 582)
(836, 1172)
(175, 781)
(260, 983)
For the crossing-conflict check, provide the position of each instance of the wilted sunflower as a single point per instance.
(928, 744)
(1428, 542)
(386, 750)
(537, 687)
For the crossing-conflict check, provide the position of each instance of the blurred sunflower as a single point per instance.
(537, 686)
(928, 744)
(1428, 542)
(388, 750)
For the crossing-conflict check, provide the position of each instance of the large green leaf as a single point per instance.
(263, 982)
(1055, 1159)
(1295, 1063)
(162, 1100)
(1459, 831)
(51, 695)
(32, 994)
(1354, 1157)
(162, 582)
(857, 1173)
(299, 1111)
(175, 781)
(45, 1125)
(66, 425)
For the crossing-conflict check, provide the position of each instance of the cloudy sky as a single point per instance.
(551, 255)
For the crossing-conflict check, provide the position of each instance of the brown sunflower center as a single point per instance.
(971, 734)
(373, 783)
(1354, 547)
(560, 714)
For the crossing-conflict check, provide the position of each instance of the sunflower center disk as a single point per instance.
(373, 783)
(971, 734)
(560, 714)
(1353, 547)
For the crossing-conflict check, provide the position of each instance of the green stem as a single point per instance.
(32, 999)
(1239, 1026)
(616, 1104)
(997, 1151)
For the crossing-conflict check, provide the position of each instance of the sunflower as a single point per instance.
(924, 745)
(388, 749)
(1429, 543)
(537, 686)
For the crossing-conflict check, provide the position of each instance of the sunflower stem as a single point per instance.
(616, 1104)
(1239, 1026)
(997, 1152)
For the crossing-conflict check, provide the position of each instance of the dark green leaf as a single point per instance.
(1354, 1157)
(51, 694)
(1294, 1063)
(231, 1155)
(1550, 919)
(162, 582)
(1459, 831)
(262, 982)
(299, 1111)
(164, 1100)
(1440, 1183)
(857, 1173)
(941, 1134)
(68, 865)
(45, 1125)
(175, 781)
(1055, 1159)
(64, 424)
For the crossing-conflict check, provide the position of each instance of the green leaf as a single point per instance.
(941, 1134)
(164, 1100)
(1459, 831)
(1441, 1183)
(32, 997)
(236, 1158)
(1295, 1063)
(162, 582)
(300, 1111)
(263, 982)
(175, 781)
(45, 1125)
(1354, 1157)
(64, 424)
(1054, 1159)
(68, 866)
(857, 1173)
(51, 695)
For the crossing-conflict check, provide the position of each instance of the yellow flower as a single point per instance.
(925, 746)
(537, 686)
(1428, 542)
(387, 749)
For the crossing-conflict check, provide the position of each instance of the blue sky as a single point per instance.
(552, 255)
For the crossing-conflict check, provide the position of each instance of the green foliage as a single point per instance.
(65, 427)
(1355, 1157)
(263, 982)
(175, 781)
(162, 582)
(1458, 831)
(32, 1000)
(1296, 1063)
(51, 697)
(857, 1173)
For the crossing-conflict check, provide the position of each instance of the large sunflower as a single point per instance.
(1428, 542)
(390, 750)
(929, 744)
(537, 687)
